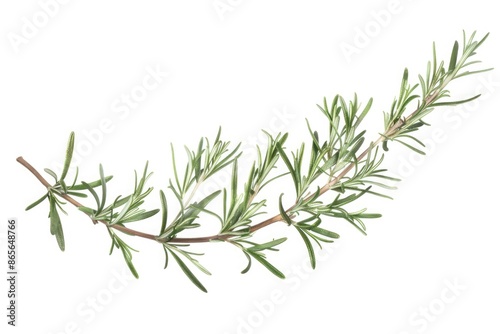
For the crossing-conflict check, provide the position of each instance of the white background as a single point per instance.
(245, 66)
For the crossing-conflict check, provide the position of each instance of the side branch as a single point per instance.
(78, 204)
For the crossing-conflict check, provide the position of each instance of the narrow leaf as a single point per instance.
(268, 265)
(55, 225)
(309, 247)
(330, 162)
(92, 191)
(363, 113)
(164, 210)
(188, 272)
(140, 216)
(288, 164)
(35, 203)
(86, 210)
(94, 184)
(196, 207)
(77, 194)
(234, 182)
(453, 59)
(454, 103)
(267, 245)
(283, 213)
(166, 257)
(123, 212)
(410, 147)
(249, 265)
(324, 232)
(130, 265)
(356, 147)
(103, 185)
(69, 155)
(51, 173)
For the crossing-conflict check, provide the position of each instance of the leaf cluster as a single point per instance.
(433, 88)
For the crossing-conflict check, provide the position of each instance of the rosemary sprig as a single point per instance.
(334, 164)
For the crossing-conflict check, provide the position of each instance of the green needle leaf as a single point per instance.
(94, 184)
(77, 194)
(453, 59)
(55, 224)
(103, 185)
(266, 264)
(35, 203)
(309, 247)
(249, 265)
(410, 147)
(88, 211)
(288, 164)
(363, 113)
(165, 250)
(268, 245)
(188, 272)
(283, 213)
(454, 103)
(131, 266)
(123, 212)
(69, 155)
(51, 173)
(324, 232)
(164, 210)
(140, 216)
(93, 192)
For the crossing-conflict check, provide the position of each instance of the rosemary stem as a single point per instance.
(222, 237)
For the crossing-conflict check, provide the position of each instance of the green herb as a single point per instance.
(330, 163)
